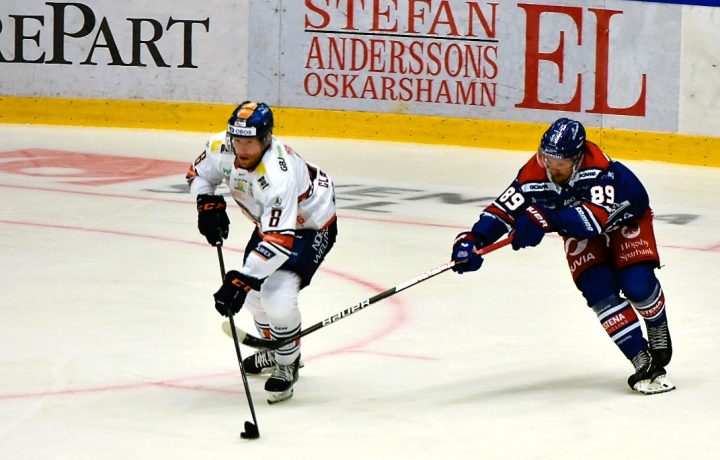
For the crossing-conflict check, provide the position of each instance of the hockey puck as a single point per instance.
(251, 431)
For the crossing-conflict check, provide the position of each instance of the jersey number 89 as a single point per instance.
(511, 199)
(600, 194)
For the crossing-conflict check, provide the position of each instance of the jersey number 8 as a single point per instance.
(275, 217)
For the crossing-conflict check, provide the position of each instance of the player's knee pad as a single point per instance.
(638, 281)
(280, 297)
(619, 320)
(597, 283)
(280, 301)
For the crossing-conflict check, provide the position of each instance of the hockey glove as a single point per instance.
(213, 221)
(530, 227)
(463, 253)
(230, 298)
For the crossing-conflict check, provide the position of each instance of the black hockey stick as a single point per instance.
(256, 342)
(251, 429)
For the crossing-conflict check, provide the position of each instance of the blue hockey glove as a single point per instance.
(530, 227)
(463, 253)
(230, 298)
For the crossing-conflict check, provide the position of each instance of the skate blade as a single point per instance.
(660, 384)
(274, 398)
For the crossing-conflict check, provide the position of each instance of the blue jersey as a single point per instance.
(601, 195)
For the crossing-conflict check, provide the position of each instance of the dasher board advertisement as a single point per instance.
(132, 49)
(608, 63)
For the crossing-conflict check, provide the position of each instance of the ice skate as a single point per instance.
(263, 361)
(660, 344)
(649, 378)
(280, 384)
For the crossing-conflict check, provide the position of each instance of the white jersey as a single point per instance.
(284, 193)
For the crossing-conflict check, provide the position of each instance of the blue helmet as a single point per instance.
(251, 119)
(564, 139)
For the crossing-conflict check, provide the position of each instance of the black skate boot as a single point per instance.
(280, 384)
(261, 362)
(660, 344)
(649, 378)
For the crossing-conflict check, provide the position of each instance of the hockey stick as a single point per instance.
(256, 342)
(251, 429)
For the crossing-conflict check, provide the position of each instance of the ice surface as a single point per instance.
(111, 347)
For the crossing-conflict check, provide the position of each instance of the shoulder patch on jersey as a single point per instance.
(216, 145)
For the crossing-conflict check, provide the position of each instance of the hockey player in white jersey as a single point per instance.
(292, 204)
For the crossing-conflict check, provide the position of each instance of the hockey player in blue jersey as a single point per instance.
(601, 210)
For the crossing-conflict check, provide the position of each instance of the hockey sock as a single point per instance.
(263, 329)
(287, 353)
(652, 309)
(621, 324)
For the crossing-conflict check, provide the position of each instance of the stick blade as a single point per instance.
(251, 431)
(227, 329)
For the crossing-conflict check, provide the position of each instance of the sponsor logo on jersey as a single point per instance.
(281, 159)
(320, 244)
(264, 252)
(538, 187)
(631, 232)
(587, 174)
(580, 246)
(642, 254)
(277, 204)
(240, 185)
(263, 182)
(580, 261)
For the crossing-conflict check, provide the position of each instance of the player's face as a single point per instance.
(248, 151)
(560, 169)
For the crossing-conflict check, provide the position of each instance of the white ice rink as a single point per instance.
(111, 347)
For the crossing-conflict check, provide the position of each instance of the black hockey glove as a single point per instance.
(213, 221)
(530, 227)
(230, 298)
(463, 253)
